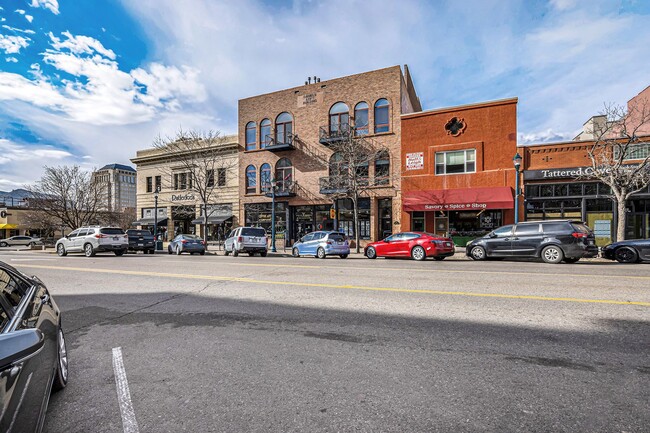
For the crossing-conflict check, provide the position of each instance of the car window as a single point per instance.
(319, 235)
(336, 237)
(581, 228)
(111, 231)
(82, 233)
(409, 236)
(191, 237)
(253, 231)
(4, 315)
(231, 234)
(308, 237)
(11, 288)
(526, 229)
(73, 234)
(555, 227)
(503, 231)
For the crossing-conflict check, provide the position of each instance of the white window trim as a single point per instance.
(435, 164)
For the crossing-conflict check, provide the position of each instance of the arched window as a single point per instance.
(283, 128)
(265, 177)
(382, 167)
(251, 132)
(251, 180)
(283, 174)
(339, 119)
(265, 133)
(361, 119)
(337, 167)
(381, 115)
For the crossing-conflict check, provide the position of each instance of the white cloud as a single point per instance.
(562, 5)
(11, 59)
(15, 157)
(29, 18)
(51, 5)
(11, 152)
(13, 44)
(14, 29)
(547, 136)
(80, 45)
(20, 11)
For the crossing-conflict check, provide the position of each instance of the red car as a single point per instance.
(418, 245)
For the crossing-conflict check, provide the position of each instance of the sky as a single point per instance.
(91, 82)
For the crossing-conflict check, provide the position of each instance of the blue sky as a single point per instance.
(90, 82)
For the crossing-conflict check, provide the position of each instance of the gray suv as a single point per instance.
(249, 240)
(92, 240)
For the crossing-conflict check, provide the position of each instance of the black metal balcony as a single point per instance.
(286, 188)
(273, 145)
(330, 134)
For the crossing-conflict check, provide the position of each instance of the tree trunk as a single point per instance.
(355, 207)
(622, 218)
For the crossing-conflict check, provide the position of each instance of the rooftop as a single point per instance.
(118, 167)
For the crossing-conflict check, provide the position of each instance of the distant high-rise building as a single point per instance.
(120, 186)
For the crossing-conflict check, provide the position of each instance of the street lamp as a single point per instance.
(516, 160)
(274, 184)
(155, 216)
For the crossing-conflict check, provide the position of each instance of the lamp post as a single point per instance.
(273, 186)
(155, 217)
(516, 160)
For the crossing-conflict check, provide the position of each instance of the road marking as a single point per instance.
(129, 422)
(341, 286)
(30, 260)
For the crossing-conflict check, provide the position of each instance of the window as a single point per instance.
(555, 227)
(158, 183)
(265, 177)
(346, 217)
(339, 119)
(361, 119)
(12, 290)
(251, 180)
(409, 236)
(183, 181)
(265, 133)
(283, 128)
(502, 232)
(221, 177)
(382, 167)
(417, 221)
(633, 151)
(526, 229)
(210, 178)
(460, 161)
(361, 173)
(283, 174)
(381, 116)
(149, 184)
(251, 132)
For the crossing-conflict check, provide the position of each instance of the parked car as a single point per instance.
(631, 251)
(321, 245)
(553, 241)
(417, 245)
(92, 240)
(20, 240)
(141, 240)
(249, 240)
(33, 354)
(186, 244)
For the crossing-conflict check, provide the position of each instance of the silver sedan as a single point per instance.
(20, 240)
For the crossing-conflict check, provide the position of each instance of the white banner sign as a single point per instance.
(415, 161)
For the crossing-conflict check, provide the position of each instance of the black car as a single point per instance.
(33, 356)
(632, 251)
(141, 240)
(552, 240)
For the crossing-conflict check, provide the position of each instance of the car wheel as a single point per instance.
(235, 253)
(262, 253)
(418, 253)
(320, 253)
(202, 253)
(152, 251)
(295, 252)
(4, 244)
(169, 250)
(343, 256)
(438, 258)
(371, 253)
(477, 253)
(571, 260)
(626, 255)
(119, 253)
(179, 251)
(61, 376)
(552, 254)
(251, 254)
(191, 253)
(225, 252)
(60, 250)
(89, 251)
(31, 245)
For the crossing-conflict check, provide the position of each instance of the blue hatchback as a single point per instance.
(321, 245)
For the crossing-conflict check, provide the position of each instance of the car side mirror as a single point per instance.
(19, 345)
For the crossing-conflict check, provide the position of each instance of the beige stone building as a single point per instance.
(179, 205)
(286, 136)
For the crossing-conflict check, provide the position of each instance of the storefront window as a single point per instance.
(346, 217)
(591, 188)
(259, 215)
(418, 222)
(575, 189)
(385, 217)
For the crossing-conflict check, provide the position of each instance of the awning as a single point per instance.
(213, 219)
(466, 199)
(8, 226)
(148, 222)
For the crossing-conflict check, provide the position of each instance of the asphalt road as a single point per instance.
(224, 344)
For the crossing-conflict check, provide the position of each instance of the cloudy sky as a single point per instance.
(90, 82)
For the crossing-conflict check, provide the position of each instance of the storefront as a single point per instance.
(218, 223)
(260, 215)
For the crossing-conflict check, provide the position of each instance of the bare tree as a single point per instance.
(200, 162)
(349, 171)
(123, 219)
(620, 155)
(67, 194)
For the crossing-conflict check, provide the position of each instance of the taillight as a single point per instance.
(98, 236)
(579, 235)
(329, 242)
(240, 239)
(183, 241)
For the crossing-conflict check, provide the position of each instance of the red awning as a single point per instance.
(459, 199)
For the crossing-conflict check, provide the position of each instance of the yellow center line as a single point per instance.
(340, 286)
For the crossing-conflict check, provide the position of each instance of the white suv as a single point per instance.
(91, 240)
(249, 240)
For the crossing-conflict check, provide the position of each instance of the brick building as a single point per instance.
(458, 176)
(286, 136)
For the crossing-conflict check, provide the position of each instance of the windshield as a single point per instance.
(336, 237)
(253, 231)
(191, 237)
(581, 228)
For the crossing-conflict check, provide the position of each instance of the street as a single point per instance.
(278, 344)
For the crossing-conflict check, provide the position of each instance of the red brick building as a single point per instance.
(458, 177)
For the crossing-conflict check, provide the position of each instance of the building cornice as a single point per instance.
(461, 108)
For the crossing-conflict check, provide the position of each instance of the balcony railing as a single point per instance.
(333, 133)
(285, 188)
(273, 145)
(339, 185)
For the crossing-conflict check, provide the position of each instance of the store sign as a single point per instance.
(415, 161)
(149, 212)
(182, 197)
(310, 99)
(558, 173)
(456, 206)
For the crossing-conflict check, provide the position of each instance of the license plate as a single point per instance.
(115, 238)
(339, 243)
(140, 245)
(591, 242)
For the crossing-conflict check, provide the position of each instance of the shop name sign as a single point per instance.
(415, 161)
(558, 173)
(455, 206)
(182, 197)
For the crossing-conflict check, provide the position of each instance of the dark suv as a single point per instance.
(552, 240)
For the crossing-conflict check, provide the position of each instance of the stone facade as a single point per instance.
(119, 182)
(309, 107)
